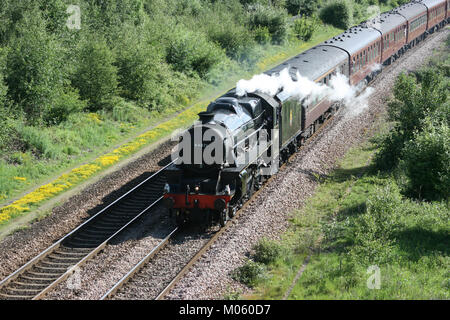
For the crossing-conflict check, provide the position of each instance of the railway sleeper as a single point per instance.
(31, 292)
(54, 270)
(24, 285)
(81, 240)
(64, 257)
(99, 238)
(57, 264)
(52, 275)
(95, 232)
(14, 296)
(36, 279)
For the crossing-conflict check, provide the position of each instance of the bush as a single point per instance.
(64, 104)
(338, 13)
(416, 97)
(373, 231)
(96, 75)
(262, 35)
(267, 251)
(302, 7)
(274, 19)
(427, 162)
(304, 28)
(190, 51)
(249, 274)
(35, 72)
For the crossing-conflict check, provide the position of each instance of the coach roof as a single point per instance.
(386, 22)
(354, 39)
(313, 63)
(432, 3)
(410, 10)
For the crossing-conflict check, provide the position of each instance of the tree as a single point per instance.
(96, 74)
(338, 13)
(35, 70)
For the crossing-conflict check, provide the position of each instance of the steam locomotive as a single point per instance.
(249, 136)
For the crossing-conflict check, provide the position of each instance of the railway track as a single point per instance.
(36, 278)
(187, 267)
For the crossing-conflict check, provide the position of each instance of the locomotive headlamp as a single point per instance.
(166, 188)
(197, 189)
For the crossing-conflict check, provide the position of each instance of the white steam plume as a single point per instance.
(339, 89)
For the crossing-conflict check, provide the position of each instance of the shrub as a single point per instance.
(96, 75)
(274, 19)
(262, 35)
(190, 51)
(373, 231)
(427, 162)
(64, 104)
(304, 28)
(416, 97)
(390, 150)
(249, 274)
(35, 72)
(302, 7)
(267, 251)
(338, 13)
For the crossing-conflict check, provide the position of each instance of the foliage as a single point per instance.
(338, 13)
(274, 19)
(416, 97)
(267, 251)
(304, 28)
(250, 273)
(426, 160)
(96, 74)
(35, 72)
(302, 7)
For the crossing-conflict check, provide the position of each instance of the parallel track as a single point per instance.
(59, 261)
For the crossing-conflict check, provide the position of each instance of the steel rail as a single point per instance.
(139, 265)
(33, 262)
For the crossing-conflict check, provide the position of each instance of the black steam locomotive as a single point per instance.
(248, 136)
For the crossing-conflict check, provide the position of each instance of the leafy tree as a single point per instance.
(338, 13)
(96, 74)
(274, 19)
(302, 7)
(35, 70)
(426, 160)
(416, 97)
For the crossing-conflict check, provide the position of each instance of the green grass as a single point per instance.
(358, 218)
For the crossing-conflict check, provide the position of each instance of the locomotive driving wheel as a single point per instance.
(223, 217)
(232, 211)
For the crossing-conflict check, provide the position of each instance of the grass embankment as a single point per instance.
(357, 222)
(90, 136)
